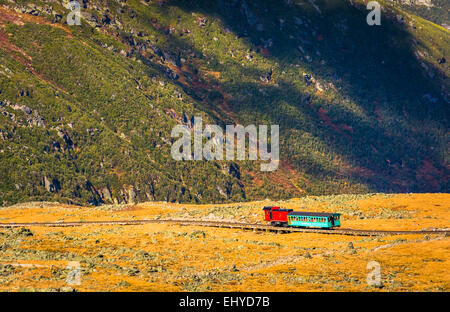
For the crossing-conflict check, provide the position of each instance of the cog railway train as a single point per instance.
(288, 217)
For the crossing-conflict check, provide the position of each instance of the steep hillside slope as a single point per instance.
(436, 11)
(87, 111)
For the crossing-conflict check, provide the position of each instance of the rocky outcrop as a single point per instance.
(106, 195)
(51, 185)
(65, 136)
(32, 117)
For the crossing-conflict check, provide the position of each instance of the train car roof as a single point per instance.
(312, 214)
(276, 208)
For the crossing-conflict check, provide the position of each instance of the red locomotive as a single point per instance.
(288, 217)
(276, 215)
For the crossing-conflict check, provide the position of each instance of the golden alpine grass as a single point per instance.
(167, 257)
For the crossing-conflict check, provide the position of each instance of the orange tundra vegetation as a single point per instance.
(165, 257)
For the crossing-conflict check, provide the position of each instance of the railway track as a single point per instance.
(231, 225)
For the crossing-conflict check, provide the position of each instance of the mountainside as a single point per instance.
(436, 11)
(86, 111)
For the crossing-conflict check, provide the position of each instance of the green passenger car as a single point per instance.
(314, 219)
